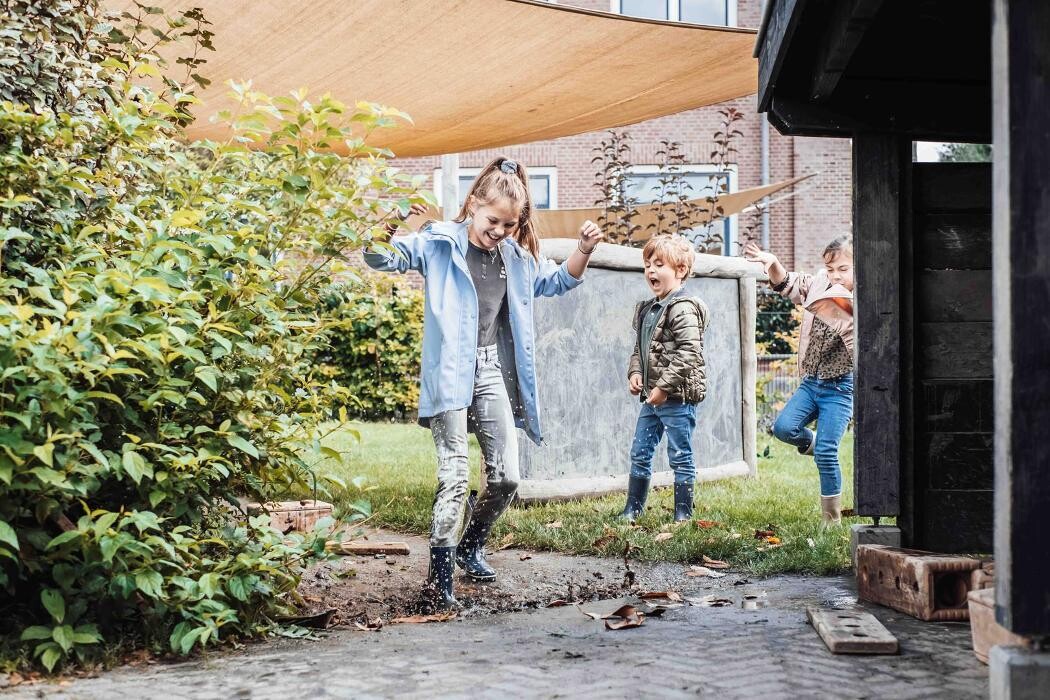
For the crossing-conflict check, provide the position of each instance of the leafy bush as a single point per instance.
(158, 322)
(376, 346)
(777, 323)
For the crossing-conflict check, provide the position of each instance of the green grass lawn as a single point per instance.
(398, 467)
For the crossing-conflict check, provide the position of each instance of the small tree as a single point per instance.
(965, 152)
(613, 158)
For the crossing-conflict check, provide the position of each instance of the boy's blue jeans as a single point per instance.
(830, 403)
(677, 420)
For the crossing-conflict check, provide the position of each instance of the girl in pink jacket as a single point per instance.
(826, 362)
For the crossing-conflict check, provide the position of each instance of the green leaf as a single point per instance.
(86, 634)
(208, 376)
(149, 582)
(7, 535)
(63, 634)
(242, 445)
(54, 604)
(44, 453)
(239, 588)
(35, 632)
(60, 540)
(185, 217)
(51, 657)
(136, 466)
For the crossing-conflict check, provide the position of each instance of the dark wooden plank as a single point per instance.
(774, 41)
(956, 406)
(955, 350)
(957, 460)
(953, 186)
(953, 296)
(879, 164)
(957, 522)
(847, 23)
(1021, 57)
(954, 240)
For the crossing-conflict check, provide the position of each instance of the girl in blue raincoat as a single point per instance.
(481, 272)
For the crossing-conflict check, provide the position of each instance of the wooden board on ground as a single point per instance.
(367, 547)
(852, 632)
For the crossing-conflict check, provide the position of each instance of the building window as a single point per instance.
(644, 186)
(543, 186)
(719, 13)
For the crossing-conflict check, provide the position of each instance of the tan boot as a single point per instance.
(831, 509)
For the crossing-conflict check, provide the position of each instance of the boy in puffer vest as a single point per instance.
(667, 373)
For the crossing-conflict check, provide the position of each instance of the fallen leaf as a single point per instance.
(663, 536)
(554, 525)
(736, 535)
(773, 539)
(714, 563)
(848, 512)
(658, 610)
(318, 621)
(506, 541)
(525, 557)
(557, 603)
(666, 595)
(707, 524)
(695, 571)
(370, 625)
(418, 619)
(593, 616)
(602, 541)
(625, 617)
(763, 534)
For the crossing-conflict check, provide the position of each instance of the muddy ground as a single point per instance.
(363, 589)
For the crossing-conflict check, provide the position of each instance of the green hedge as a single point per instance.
(157, 335)
(376, 346)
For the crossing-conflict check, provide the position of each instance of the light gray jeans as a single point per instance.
(490, 418)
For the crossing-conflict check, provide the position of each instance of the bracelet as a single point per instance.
(585, 252)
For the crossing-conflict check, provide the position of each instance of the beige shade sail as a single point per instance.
(564, 223)
(472, 74)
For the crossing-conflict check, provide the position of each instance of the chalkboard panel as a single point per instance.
(957, 521)
(955, 350)
(953, 295)
(956, 406)
(583, 342)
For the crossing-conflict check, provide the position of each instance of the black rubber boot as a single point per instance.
(637, 493)
(439, 579)
(683, 501)
(470, 554)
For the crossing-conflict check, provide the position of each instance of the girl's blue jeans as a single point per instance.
(830, 403)
(677, 419)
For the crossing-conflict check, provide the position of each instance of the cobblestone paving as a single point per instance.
(729, 652)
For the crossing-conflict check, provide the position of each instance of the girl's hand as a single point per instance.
(635, 384)
(590, 236)
(753, 253)
(656, 397)
(416, 209)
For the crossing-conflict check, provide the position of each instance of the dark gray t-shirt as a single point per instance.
(490, 280)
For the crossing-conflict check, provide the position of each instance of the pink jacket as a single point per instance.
(833, 304)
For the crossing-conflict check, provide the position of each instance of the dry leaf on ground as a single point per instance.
(417, 619)
(666, 595)
(714, 563)
(554, 525)
(370, 625)
(707, 524)
(695, 571)
(525, 557)
(663, 536)
(507, 541)
(625, 617)
(773, 539)
(848, 512)
(557, 603)
(763, 534)
(710, 601)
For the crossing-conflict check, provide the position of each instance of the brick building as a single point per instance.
(563, 175)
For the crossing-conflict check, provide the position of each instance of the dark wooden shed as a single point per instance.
(952, 262)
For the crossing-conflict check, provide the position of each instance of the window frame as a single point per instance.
(674, 11)
(548, 171)
(731, 228)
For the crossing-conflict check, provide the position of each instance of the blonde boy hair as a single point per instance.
(675, 251)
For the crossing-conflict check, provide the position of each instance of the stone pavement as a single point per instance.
(760, 647)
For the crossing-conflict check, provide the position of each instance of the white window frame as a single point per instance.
(674, 10)
(548, 170)
(731, 228)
